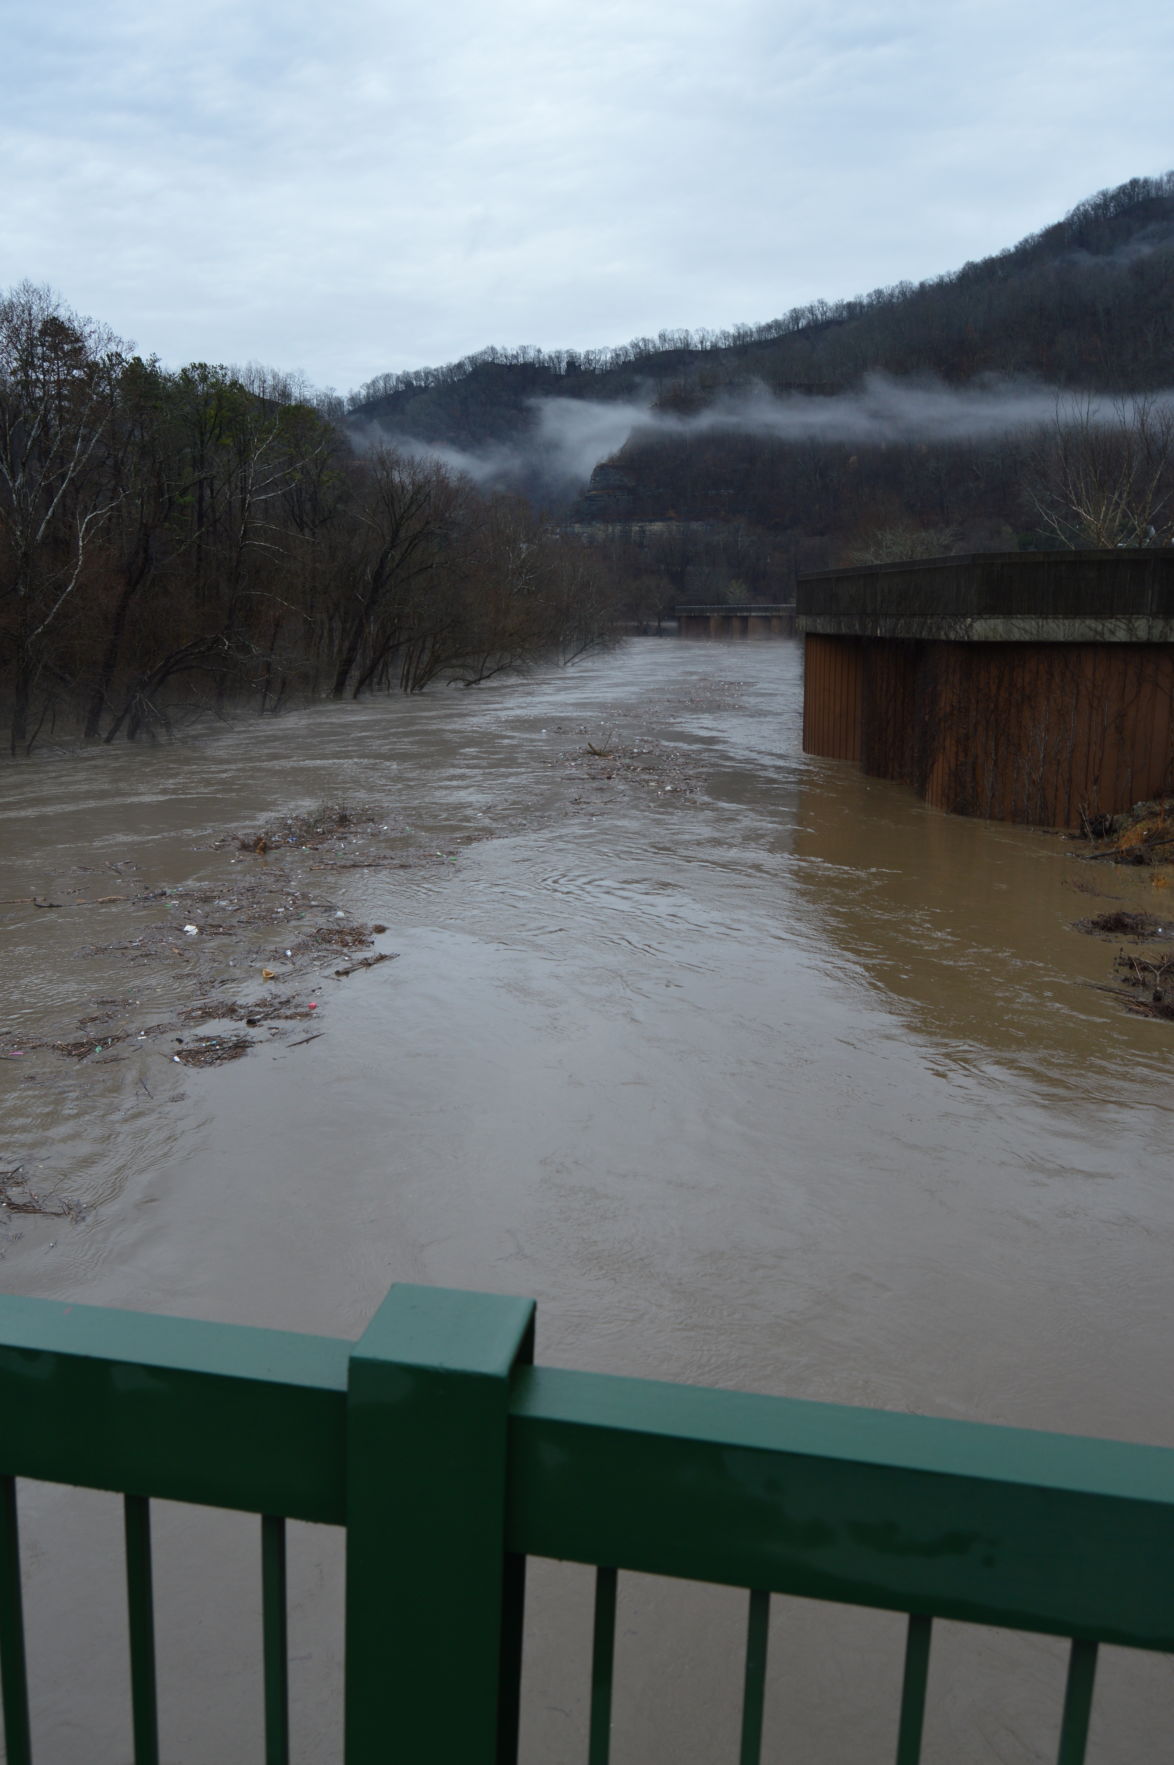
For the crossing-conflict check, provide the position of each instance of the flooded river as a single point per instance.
(751, 1070)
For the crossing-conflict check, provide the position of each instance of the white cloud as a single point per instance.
(376, 185)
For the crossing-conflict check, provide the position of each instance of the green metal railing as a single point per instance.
(450, 1458)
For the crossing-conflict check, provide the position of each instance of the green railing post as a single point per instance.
(433, 1605)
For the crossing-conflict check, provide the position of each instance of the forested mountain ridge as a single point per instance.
(1085, 303)
(916, 419)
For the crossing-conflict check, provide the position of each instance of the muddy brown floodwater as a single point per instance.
(752, 1070)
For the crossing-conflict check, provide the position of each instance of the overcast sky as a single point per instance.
(372, 184)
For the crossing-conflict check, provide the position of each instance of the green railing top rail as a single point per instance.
(220, 1414)
(998, 1525)
(1003, 1526)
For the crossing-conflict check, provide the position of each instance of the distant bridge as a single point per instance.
(756, 619)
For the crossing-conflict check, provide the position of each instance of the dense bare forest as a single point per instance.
(209, 537)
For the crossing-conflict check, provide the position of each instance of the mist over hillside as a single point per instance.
(911, 408)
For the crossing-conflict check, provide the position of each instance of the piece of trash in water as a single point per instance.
(177, 1060)
(193, 931)
(268, 974)
(338, 913)
(289, 952)
(313, 1005)
(15, 1054)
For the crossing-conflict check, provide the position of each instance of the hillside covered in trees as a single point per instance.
(1084, 303)
(747, 455)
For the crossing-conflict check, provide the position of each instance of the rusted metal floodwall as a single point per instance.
(1030, 732)
(1022, 687)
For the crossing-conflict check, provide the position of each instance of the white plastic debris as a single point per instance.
(193, 931)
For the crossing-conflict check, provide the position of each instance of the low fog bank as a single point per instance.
(568, 437)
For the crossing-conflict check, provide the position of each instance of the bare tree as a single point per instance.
(902, 540)
(1103, 477)
(405, 510)
(58, 373)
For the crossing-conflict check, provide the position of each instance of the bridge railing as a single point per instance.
(449, 1458)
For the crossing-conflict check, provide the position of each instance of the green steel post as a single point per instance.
(754, 1678)
(432, 1611)
(917, 1640)
(12, 1664)
(275, 1639)
(141, 1615)
(603, 1655)
(1082, 1667)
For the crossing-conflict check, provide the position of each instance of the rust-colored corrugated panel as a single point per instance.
(853, 700)
(814, 664)
(1144, 742)
(1080, 793)
(1046, 733)
(831, 697)
(940, 711)
(889, 710)
(1040, 733)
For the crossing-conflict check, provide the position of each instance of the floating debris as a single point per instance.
(340, 974)
(17, 1197)
(327, 823)
(213, 1050)
(1150, 982)
(1125, 925)
(82, 1049)
(337, 937)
